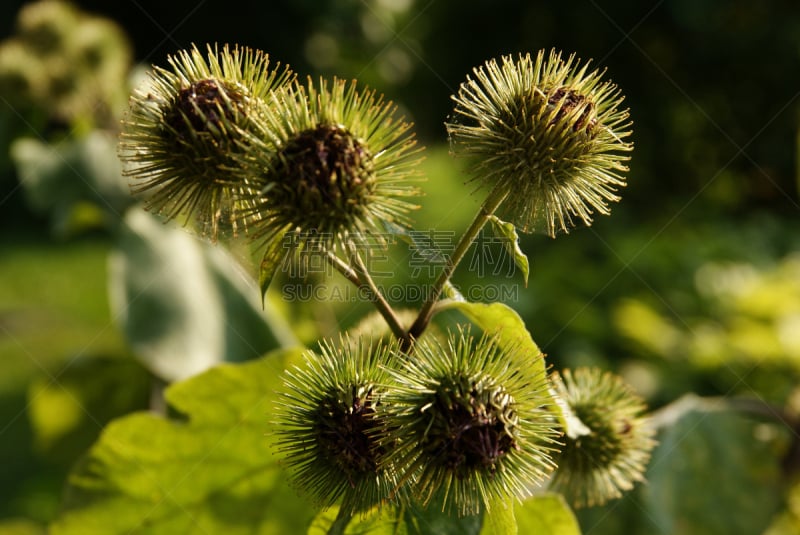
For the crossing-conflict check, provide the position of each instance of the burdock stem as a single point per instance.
(487, 210)
(356, 272)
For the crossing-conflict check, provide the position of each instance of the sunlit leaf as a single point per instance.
(403, 520)
(209, 469)
(385, 521)
(572, 425)
(546, 513)
(500, 520)
(508, 233)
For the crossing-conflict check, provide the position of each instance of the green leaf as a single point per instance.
(508, 232)
(78, 183)
(184, 304)
(385, 521)
(572, 425)
(409, 520)
(712, 472)
(505, 323)
(451, 292)
(21, 527)
(209, 469)
(431, 519)
(546, 513)
(66, 416)
(500, 520)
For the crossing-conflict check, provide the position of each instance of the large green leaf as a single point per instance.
(78, 183)
(184, 304)
(546, 513)
(386, 521)
(406, 520)
(711, 472)
(210, 469)
(500, 520)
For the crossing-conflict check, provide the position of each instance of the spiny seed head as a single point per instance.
(470, 425)
(546, 131)
(329, 419)
(599, 466)
(328, 173)
(334, 165)
(184, 128)
(204, 107)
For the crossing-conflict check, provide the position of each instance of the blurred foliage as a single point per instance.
(65, 65)
(711, 85)
(714, 471)
(208, 468)
(747, 335)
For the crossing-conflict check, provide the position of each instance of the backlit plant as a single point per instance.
(407, 418)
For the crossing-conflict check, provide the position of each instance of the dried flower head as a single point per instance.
(470, 425)
(329, 419)
(184, 128)
(334, 164)
(598, 467)
(546, 131)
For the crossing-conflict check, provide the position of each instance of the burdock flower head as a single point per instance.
(184, 127)
(597, 467)
(329, 419)
(334, 164)
(547, 132)
(471, 427)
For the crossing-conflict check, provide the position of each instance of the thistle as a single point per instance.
(548, 133)
(598, 467)
(469, 426)
(329, 418)
(333, 165)
(184, 128)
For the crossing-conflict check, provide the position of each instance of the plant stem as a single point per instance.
(487, 209)
(377, 298)
(346, 271)
(360, 277)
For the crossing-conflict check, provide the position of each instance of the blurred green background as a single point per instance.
(692, 285)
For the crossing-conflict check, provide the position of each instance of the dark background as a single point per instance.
(712, 86)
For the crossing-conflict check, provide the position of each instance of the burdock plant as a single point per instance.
(404, 422)
(334, 165)
(471, 425)
(548, 129)
(330, 418)
(600, 465)
(184, 128)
